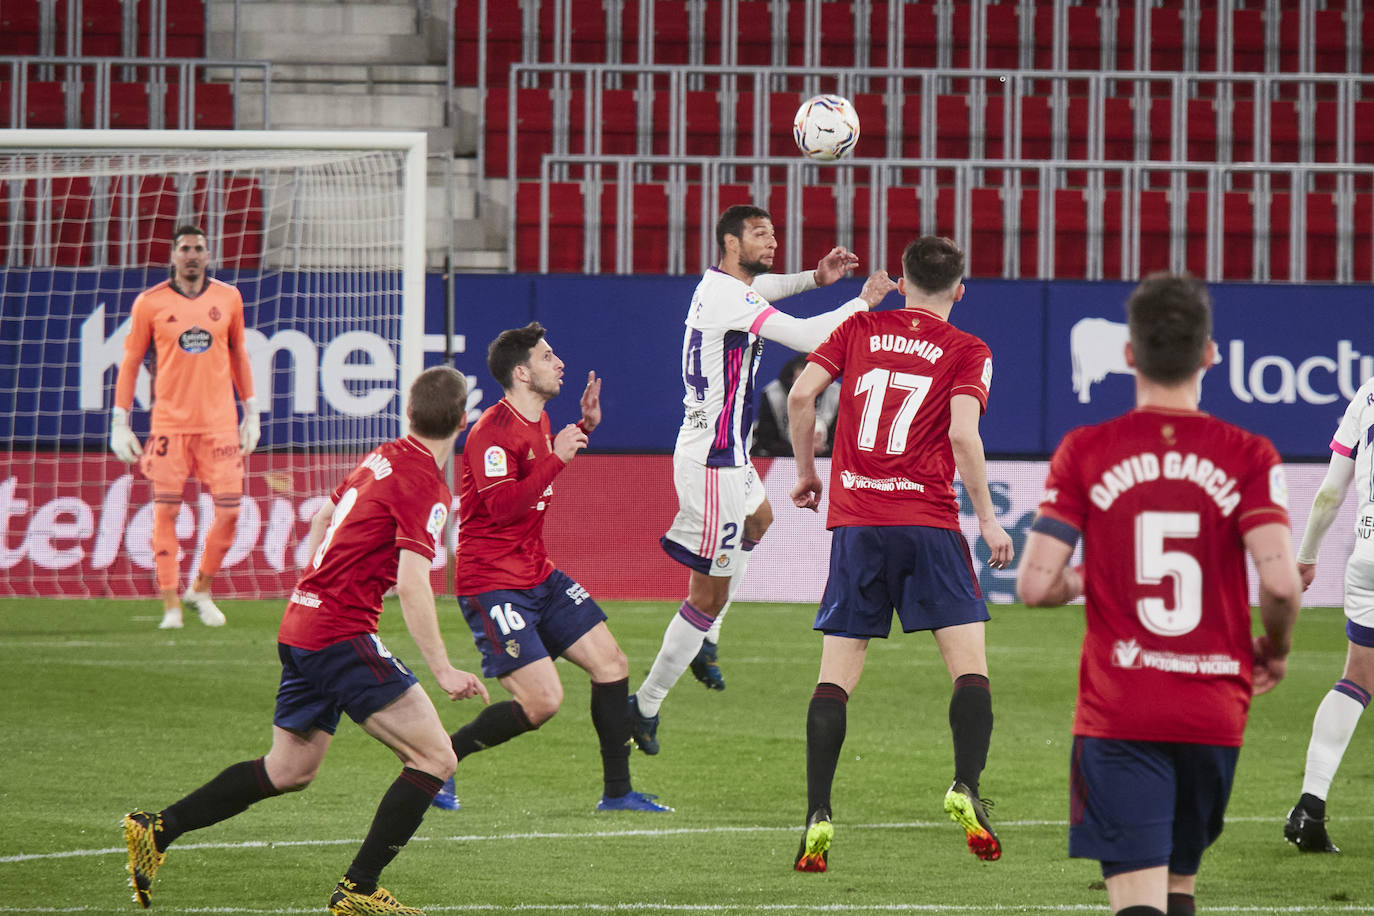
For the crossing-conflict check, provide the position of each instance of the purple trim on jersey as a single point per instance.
(762, 317)
(1060, 531)
(684, 556)
(746, 544)
(1360, 636)
(1352, 690)
(695, 617)
(1341, 449)
(734, 344)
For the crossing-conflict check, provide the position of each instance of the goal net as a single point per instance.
(322, 233)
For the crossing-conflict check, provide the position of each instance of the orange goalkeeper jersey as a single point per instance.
(199, 357)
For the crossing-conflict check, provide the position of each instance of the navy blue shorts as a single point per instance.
(1142, 804)
(513, 627)
(925, 573)
(357, 676)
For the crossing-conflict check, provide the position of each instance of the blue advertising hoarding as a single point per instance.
(1290, 356)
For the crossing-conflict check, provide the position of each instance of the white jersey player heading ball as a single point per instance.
(722, 510)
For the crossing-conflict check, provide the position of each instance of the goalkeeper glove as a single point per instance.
(250, 430)
(123, 442)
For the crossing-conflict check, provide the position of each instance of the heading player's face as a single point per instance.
(546, 371)
(190, 258)
(757, 245)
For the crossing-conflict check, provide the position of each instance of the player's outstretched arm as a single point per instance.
(422, 620)
(1271, 549)
(1325, 505)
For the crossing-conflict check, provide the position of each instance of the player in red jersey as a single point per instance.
(195, 326)
(378, 529)
(523, 612)
(914, 388)
(1167, 501)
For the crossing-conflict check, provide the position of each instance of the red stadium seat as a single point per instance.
(837, 31)
(19, 28)
(1237, 236)
(505, 31)
(214, 106)
(987, 232)
(1247, 41)
(533, 130)
(185, 35)
(128, 106)
(919, 33)
(648, 230)
(147, 205)
(1364, 237)
(566, 225)
(1166, 38)
(1002, 48)
(46, 105)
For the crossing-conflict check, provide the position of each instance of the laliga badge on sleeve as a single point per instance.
(494, 460)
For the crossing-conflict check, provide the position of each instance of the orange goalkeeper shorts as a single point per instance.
(215, 459)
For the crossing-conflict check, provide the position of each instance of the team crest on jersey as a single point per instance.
(494, 460)
(530, 456)
(1278, 486)
(1168, 434)
(915, 324)
(512, 648)
(194, 340)
(754, 299)
(723, 560)
(438, 514)
(1126, 653)
(215, 313)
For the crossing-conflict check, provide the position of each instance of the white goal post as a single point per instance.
(323, 232)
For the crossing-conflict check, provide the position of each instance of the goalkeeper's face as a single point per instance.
(190, 258)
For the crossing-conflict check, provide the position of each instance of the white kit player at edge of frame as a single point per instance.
(826, 128)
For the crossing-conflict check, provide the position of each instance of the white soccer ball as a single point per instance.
(826, 128)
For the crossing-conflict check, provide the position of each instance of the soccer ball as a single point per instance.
(826, 128)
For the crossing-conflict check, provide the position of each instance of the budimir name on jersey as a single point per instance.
(899, 343)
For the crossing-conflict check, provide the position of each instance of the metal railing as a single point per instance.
(162, 76)
(1104, 179)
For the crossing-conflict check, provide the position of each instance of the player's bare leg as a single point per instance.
(1139, 893)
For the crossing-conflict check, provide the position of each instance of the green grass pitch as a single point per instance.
(104, 713)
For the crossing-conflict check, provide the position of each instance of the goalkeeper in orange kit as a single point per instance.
(195, 326)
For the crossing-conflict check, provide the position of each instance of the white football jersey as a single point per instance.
(1355, 439)
(720, 354)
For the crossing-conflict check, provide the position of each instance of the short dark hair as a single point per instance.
(731, 222)
(438, 402)
(186, 229)
(1170, 321)
(933, 264)
(510, 349)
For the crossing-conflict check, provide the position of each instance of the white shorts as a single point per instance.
(1359, 591)
(708, 532)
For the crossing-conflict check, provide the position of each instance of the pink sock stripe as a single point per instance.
(696, 618)
(1352, 690)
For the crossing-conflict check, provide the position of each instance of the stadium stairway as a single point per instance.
(369, 65)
